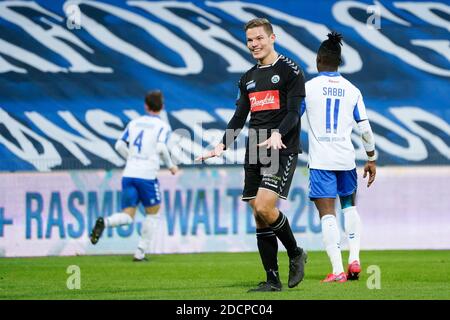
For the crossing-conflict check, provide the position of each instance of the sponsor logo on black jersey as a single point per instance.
(264, 100)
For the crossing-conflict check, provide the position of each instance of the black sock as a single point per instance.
(268, 249)
(273, 276)
(283, 231)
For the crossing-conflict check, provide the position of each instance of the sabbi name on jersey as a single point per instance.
(332, 106)
(335, 92)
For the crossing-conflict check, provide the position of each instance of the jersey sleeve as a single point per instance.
(295, 92)
(125, 136)
(359, 111)
(164, 134)
(237, 122)
(303, 107)
(242, 100)
(296, 84)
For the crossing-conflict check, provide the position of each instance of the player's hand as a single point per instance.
(370, 168)
(174, 170)
(216, 152)
(274, 142)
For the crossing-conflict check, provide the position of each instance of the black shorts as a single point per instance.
(261, 176)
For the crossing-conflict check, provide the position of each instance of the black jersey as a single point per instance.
(272, 94)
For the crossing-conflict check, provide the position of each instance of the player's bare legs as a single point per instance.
(352, 226)
(152, 210)
(131, 211)
(124, 217)
(331, 238)
(265, 207)
(260, 223)
(325, 206)
(149, 228)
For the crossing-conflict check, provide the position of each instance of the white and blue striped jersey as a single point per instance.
(332, 106)
(142, 136)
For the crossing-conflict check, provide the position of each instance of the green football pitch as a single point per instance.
(397, 274)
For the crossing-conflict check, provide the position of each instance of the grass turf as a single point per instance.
(404, 275)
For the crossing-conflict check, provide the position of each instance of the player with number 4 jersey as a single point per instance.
(142, 143)
(332, 106)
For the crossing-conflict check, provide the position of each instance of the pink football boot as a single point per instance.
(342, 277)
(354, 269)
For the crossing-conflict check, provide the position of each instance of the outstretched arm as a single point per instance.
(234, 126)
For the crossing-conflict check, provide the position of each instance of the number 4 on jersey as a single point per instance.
(335, 115)
(138, 141)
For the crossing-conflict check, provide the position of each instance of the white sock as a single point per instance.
(118, 219)
(352, 226)
(331, 240)
(149, 227)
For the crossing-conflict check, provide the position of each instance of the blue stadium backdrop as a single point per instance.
(73, 73)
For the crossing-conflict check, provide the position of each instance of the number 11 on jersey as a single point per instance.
(335, 115)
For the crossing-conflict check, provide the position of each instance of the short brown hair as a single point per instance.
(259, 22)
(154, 100)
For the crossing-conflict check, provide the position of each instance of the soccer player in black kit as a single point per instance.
(271, 91)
